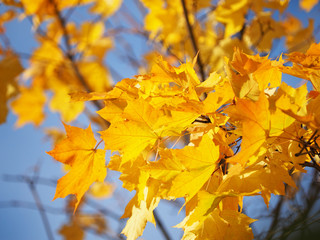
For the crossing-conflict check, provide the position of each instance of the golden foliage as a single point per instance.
(211, 131)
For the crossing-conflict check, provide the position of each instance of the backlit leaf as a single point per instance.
(87, 163)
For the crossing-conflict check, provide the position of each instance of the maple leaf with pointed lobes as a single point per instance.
(225, 224)
(185, 171)
(142, 127)
(311, 116)
(139, 212)
(259, 124)
(87, 163)
(306, 66)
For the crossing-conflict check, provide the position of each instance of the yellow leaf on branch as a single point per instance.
(87, 162)
(190, 166)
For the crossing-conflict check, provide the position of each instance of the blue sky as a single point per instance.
(24, 148)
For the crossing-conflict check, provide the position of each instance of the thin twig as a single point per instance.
(102, 209)
(30, 205)
(312, 165)
(275, 221)
(41, 209)
(306, 144)
(23, 178)
(193, 40)
(69, 54)
(52, 183)
(309, 201)
(161, 225)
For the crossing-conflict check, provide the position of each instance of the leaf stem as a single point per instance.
(95, 148)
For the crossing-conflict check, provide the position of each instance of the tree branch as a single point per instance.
(161, 225)
(41, 209)
(276, 213)
(102, 209)
(30, 205)
(312, 165)
(193, 40)
(52, 183)
(309, 201)
(69, 54)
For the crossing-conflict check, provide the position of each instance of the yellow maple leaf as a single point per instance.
(141, 126)
(259, 123)
(232, 13)
(290, 98)
(262, 31)
(306, 65)
(101, 190)
(131, 175)
(46, 7)
(35, 6)
(105, 8)
(139, 212)
(184, 171)
(242, 85)
(297, 37)
(85, 96)
(61, 103)
(219, 225)
(255, 119)
(90, 41)
(182, 78)
(29, 106)
(130, 138)
(160, 14)
(307, 5)
(262, 177)
(72, 231)
(122, 91)
(210, 83)
(113, 110)
(87, 163)
(264, 71)
(205, 205)
(223, 94)
(312, 115)
(254, 74)
(96, 75)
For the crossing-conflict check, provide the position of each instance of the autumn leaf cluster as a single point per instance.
(219, 127)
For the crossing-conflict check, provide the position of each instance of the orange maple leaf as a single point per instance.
(79, 151)
(306, 65)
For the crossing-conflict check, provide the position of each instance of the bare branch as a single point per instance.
(276, 214)
(193, 40)
(69, 54)
(30, 205)
(161, 225)
(42, 212)
(312, 165)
